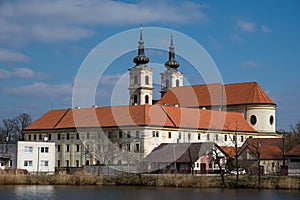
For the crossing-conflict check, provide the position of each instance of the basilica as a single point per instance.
(226, 114)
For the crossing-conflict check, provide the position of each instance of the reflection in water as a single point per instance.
(32, 192)
(145, 193)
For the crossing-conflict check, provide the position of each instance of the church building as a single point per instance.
(226, 114)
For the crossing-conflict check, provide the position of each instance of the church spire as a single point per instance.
(172, 63)
(141, 58)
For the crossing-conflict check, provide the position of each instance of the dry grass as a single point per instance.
(76, 179)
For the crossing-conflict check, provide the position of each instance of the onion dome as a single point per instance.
(141, 58)
(172, 63)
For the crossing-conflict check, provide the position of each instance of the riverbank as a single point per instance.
(245, 181)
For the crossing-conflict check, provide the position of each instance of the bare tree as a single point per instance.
(21, 122)
(8, 129)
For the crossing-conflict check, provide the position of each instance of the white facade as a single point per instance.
(170, 78)
(36, 157)
(140, 89)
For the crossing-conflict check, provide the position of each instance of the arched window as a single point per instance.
(146, 99)
(135, 79)
(177, 83)
(135, 98)
(167, 83)
(147, 80)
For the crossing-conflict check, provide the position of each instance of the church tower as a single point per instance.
(171, 77)
(140, 89)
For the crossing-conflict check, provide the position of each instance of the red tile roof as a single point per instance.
(270, 148)
(142, 115)
(229, 150)
(294, 151)
(210, 95)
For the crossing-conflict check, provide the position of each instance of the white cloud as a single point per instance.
(265, 29)
(21, 72)
(245, 26)
(236, 38)
(4, 74)
(71, 20)
(250, 64)
(11, 56)
(39, 89)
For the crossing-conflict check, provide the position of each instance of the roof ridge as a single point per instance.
(170, 118)
(67, 110)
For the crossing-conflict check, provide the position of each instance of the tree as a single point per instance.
(21, 122)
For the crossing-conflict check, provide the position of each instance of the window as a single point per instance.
(44, 149)
(199, 136)
(109, 135)
(68, 148)
(135, 79)
(58, 148)
(137, 147)
(28, 149)
(208, 137)
(167, 83)
(87, 162)
(147, 80)
(137, 134)
(34, 137)
(27, 163)
(58, 163)
(128, 147)
(45, 163)
(77, 136)
(77, 147)
(177, 83)
(295, 160)
(135, 101)
(67, 163)
(49, 136)
(146, 99)
(234, 138)
(157, 134)
(217, 137)
(77, 163)
(153, 133)
(120, 134)
(58, 136)
(29, 137)
(271, 119)
(253, 120)
(40, 136)
(170, 135)
(189, 136)
(68, 136)
(10, 164)
(179, 136)
(88, 135)
(128, 134)
(225, 137)
(242, 138)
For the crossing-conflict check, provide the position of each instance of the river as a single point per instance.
(132, 193)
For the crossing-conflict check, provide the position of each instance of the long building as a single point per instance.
(225, 114)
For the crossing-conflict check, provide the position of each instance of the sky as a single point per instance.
(44, 43)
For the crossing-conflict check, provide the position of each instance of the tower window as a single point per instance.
(177, 83)
(253, 120)
(147, 80)
(146, 99)
(135, 99)
(167, 83)
(271, 119)
(135, 79)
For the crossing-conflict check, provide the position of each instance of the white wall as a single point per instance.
(36, 157)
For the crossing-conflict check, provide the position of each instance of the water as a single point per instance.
(132, 193)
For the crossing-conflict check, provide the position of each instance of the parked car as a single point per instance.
(239, 170)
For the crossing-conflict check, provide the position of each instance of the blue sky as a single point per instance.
(43, 43)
